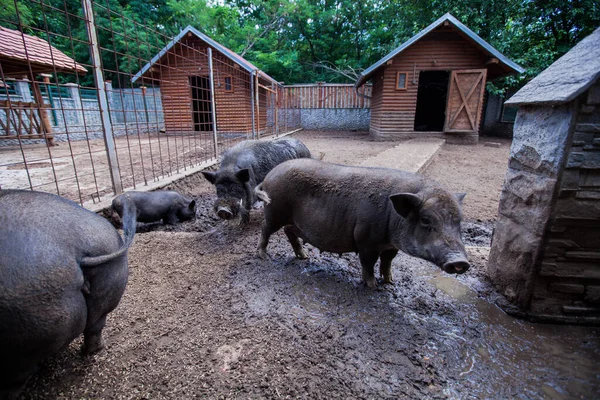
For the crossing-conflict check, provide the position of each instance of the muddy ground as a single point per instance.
(202, 317)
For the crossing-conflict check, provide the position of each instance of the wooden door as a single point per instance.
(465, 100)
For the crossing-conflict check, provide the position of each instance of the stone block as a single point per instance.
(596, 142)
(540, 138)
(562, 243)
(578, 270)
(592, 294)
(570, 288)
(570, 179)
(548, 269)
(580, 310)
(583, 137)
(590, 178)
(593, 96)
(577, 208)
(587, 127)
(512, 258)
(587, 109)
(590, 255)
(576, 159)
(527, 197)
(588, 194)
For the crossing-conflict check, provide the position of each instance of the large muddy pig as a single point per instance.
(62, 270)
(167, 205)
(372, 211)
(243, 167)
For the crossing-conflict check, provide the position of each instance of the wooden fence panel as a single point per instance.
(326, 95)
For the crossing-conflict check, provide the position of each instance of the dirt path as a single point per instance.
(202, 317)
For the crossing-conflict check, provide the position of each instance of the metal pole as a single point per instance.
(212, 100)
(252, 90)
(107, 128)
(276, 109)
(257, 102)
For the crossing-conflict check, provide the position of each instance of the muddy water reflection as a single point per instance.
(517, 358)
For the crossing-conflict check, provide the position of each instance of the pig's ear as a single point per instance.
(192, 205)
(210, 176)
(404, 203)
(460, 197)
(243, 175)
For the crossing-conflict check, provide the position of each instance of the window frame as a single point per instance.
(398, 80)
(230, 83)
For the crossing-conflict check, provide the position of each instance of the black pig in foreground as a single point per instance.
(243, 167)
(62, 270)
(372, 211)
(169, 206)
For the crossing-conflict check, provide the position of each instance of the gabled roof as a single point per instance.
(485, 46)
(233, 56)
(19, 52)
(567, 78)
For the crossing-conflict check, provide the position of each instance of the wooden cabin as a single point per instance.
(434, 84)
(242, 93)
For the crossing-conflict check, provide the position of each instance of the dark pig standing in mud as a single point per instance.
(243, 167)
(372, 211)
(167, 205)
(62, 270)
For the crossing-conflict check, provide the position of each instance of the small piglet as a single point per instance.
(169, 206)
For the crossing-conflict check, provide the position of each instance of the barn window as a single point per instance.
(228, 80)
(401, 79)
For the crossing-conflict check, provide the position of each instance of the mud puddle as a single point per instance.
(512, 357)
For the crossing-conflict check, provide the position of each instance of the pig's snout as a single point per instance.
(224, 213)
(456, 264)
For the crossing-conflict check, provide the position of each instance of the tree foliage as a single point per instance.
(306, 40)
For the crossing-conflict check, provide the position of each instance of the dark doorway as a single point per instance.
(431, 101)
(201, 103)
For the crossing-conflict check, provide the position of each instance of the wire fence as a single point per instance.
(94, 102)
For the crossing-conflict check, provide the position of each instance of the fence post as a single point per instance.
(212, 100)
(252, 90)
(73, 90)
(107, 128)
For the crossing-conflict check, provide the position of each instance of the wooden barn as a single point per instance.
(434, 84)
(236, 98)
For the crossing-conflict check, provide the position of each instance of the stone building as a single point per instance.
(545, 254)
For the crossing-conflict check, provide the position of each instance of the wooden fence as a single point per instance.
(326, 95)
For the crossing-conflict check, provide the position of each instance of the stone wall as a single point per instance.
(568, 283)
(545, 254)
(336, 119)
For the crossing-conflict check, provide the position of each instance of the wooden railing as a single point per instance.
(326, 95)
(21, 120)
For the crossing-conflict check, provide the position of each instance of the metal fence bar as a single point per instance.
(115, 176)
(212, 100)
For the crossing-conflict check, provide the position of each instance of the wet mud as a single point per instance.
(204, 317)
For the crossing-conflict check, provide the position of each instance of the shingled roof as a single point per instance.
(484, 46)
(19, 52)
(232, 55)
(567, 78)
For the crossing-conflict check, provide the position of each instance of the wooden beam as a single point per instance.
(45, 122)
(492, 60)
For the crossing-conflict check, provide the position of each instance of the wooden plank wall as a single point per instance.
(326, 95)
(392, 110)
(189, 58)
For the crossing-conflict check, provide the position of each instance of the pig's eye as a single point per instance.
(426, 221)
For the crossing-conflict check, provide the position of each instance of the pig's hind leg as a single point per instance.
(267, 230)
(291, 233)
